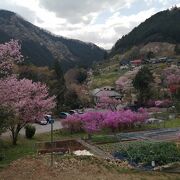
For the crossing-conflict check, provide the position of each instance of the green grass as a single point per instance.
(166, 124)
(172, 123)
(107, 78)
(26, 147)
(11, 153)
(109, 72)
(104, 79)
(103, 139)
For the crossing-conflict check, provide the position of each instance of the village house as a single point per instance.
(107, 91)
(124, 62)
(136, 62)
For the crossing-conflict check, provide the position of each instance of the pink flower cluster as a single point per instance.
(27, 99)
(106, 102)
(10, 53)
(171, 75)
(123, 83)
(96, 121)
(160, 103)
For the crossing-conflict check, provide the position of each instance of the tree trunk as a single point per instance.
(14, 139)
(15, 133)
(89, 136)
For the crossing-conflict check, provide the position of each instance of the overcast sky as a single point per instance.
(102, 22)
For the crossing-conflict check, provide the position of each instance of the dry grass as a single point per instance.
(75, 168)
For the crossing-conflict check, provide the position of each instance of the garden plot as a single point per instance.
(59, 146)
(147, 150)
(146, 155)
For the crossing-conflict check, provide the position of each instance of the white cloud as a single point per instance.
(106, 34)
(79, 18)
(75, 10)
(165, 3)
(24, 11)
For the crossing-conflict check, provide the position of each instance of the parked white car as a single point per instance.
(72, 112)
(46, 119)
(154, 121)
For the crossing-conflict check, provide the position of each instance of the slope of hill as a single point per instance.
(41, 47)
(161, 27)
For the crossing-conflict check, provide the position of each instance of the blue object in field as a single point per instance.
(51, 121)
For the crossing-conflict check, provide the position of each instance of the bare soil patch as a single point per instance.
(76, 168)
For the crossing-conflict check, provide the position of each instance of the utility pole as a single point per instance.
(52, 121)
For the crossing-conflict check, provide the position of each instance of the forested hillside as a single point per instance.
(161, 27)
(41, 48)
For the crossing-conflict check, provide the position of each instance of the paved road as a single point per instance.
(157, 134)
(40, 128)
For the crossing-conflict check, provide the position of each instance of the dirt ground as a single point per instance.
(90, 168)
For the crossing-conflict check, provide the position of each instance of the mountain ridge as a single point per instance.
(162, 27)
(41, 47)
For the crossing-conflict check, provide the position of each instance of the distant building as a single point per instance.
(162, 59)
(107, 91)
(171, 60)
(124, 62)
(158, 60)
(107, 88)
(146, 61)
(136, 62)
(153, 60)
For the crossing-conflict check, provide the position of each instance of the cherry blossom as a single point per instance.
(106, 102)
(92, 122)
(28, 100)
(10, 53)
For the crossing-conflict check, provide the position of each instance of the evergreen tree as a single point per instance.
(59, 86)
(142, 83)
(71, 100)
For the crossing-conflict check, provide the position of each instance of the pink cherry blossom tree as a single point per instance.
(124, 118)
(106, 102)
(112, 120)
(72, 123)
(10, 53)
(123, 83)
(29, 101)
(171, 78)
(92, 122)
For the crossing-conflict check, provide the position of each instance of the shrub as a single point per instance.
(72, 123)
(2, 147)
(5, 115)
(146, 152)
(82, 75)
(92, 122)
(150, 103)
(30, 131)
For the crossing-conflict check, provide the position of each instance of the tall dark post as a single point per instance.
(51, 143)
